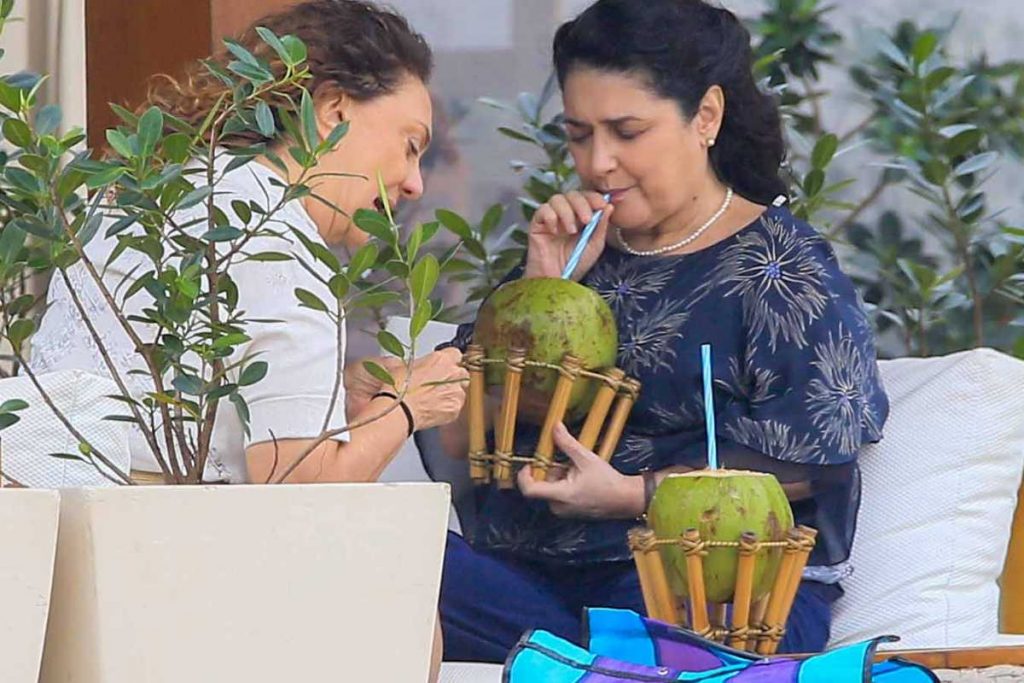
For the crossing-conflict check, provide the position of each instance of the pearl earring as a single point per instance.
(711, 142)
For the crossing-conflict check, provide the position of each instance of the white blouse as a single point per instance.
(293, 400)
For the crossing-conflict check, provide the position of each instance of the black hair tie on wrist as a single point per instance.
(402, 405)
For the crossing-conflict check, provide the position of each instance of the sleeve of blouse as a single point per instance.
(302, 393)
(809, 392)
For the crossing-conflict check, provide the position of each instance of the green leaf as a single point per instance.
(118, 141)
(814, 181)
(177, 147)
(924, 47)
(194, 197)
(265, 119)
(307, 113)
(271, 39)
(892, 52)
(10, 97)
(363, 260)
(455, 223)
(241, 210)
(270, 256)
(382, 193)
(335, 136)
(338, 285)
(935, 171)
(310, 300)
(12, 405)
(424, 278)
(253, 373)
(491, 219)
(48, 120)
(105, 178)
(242, 409)
(127, 117)
(257, 75)
(389, 343)
(824, 151)
(76, 457)
(975, 164)
(241, 52)
(964, 143)
(412, 247)
(379, 372)
(420, 318)
(224, 233)
(151, 125)
(188, 384)
(516, 135)
(17, 133)
(319, 252)
(938, 77)
(376, 299)
(8, 419)
(375, 224)
(953, 131)
(296, 50)
(19, 331)
(20, 306)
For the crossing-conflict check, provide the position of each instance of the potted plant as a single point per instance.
(156, 583)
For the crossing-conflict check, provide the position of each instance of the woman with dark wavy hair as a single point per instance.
(696, 246)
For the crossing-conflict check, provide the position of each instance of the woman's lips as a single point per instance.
(616, 195)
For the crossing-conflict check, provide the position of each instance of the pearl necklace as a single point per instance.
(683, 242)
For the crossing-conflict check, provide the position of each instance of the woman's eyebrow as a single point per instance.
(611, 122)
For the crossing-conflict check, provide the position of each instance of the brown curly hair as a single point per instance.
(356, 46)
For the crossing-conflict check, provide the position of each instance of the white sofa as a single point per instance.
(939, 494)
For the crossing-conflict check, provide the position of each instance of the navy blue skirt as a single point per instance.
(488, 602)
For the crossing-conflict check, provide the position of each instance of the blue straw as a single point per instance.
(588, 232)
(709, 406)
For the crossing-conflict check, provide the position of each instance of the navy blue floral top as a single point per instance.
(797, 389)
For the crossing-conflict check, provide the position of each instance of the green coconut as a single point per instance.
(547, 318)
(723, 505)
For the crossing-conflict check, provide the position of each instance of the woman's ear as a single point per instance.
(331, 106)
(710, 113)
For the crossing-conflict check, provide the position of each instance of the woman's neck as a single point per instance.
(694, 213)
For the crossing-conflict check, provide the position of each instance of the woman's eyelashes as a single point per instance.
(580, 137)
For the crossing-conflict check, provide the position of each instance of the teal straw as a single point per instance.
(709, 405)
(581, 244)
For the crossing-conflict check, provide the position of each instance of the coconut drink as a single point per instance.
(547, 318)
(722, 505)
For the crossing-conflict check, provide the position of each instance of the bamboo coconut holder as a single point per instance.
(742, 624)
(601, 430)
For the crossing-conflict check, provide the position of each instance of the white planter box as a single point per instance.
(28, 538)
(246, 583)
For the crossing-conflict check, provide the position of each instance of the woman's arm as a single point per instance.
(593, 489)
(435, 396)
(370, 449)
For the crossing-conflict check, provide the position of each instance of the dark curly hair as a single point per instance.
(361, 48)
(682, 48)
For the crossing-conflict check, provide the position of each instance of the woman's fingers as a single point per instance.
(566, 214)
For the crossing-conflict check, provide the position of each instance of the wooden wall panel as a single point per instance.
(128, 41)
(231, 17)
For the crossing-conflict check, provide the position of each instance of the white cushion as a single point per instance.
(939, 493)
(84, 400)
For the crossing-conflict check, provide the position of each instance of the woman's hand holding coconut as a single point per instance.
(589, 489)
